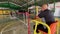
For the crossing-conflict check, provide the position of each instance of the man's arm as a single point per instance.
(40, 15)
(38, 18)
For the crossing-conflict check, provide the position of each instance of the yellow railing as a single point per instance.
(37, 22)
(58, 25)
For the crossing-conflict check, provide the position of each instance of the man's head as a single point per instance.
(44, 7)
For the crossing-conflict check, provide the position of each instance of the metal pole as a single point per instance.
(28, 18)
(35, 7)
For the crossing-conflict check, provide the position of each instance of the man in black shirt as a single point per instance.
(49, 19)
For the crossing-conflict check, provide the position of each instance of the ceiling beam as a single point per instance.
(31, 2)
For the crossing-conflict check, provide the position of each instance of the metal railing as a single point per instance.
(37, 22)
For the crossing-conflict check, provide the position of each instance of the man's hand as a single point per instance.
(38, 19)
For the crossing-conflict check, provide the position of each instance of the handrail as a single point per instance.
(37, 22)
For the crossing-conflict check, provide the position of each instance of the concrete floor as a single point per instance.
(14, 26)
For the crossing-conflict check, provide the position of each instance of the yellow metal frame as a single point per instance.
(36, 10)
(58, 25)
(37, 22)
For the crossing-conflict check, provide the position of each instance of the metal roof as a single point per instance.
(24, 3)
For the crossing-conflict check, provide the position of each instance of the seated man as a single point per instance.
(49, 19)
